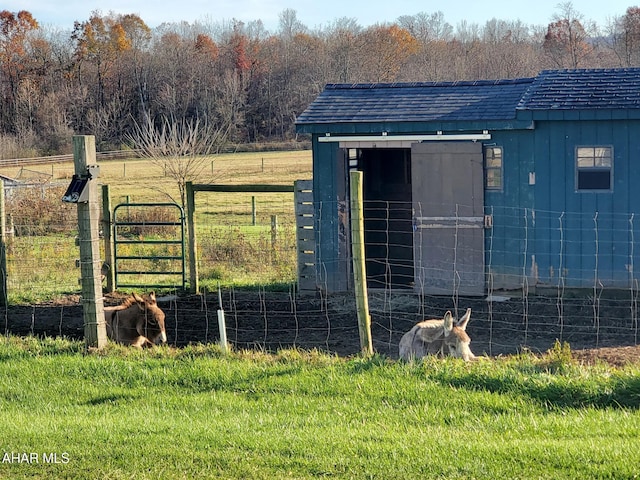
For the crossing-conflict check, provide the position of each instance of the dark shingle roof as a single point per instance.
(416, 102)
(484, 100)
(617, 88)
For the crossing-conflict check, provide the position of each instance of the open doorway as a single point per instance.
(423, 216)
(387, 216)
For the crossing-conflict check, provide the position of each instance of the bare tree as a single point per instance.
(289, 24)
(343, 47)
(427, 27)
(180, 147)
(624, 37)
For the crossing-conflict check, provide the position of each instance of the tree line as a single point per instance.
(112, 75)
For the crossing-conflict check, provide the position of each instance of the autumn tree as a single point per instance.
(386, 50)
(16, 61)
(292, 73)
(235, 51)
(206, 47)
(101, 45)
(99, 41)
(113, 71)
(565, 42)
(174, 84)
(237, 78)
(132, 69)
(207, 75)
(223, 75)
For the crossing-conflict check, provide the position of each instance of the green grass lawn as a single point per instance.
(193, 413)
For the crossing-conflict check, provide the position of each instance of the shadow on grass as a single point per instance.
(552, 389)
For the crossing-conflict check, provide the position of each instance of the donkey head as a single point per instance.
(151, 319)
(456, 338)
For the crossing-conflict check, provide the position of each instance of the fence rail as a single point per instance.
(101, 156)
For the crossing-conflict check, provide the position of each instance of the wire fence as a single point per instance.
(570, 277)
(246, 239)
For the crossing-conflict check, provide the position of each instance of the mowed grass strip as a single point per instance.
(194, 413)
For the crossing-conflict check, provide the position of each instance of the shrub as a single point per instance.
(39, 210)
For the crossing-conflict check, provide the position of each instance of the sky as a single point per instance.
(314, 14)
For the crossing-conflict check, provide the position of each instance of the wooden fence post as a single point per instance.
(274, 231)
(253, 210)
(106, 233)
(359, 267)
(95, 331)
(193, 243)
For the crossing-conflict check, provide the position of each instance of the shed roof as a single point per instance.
(483, 100)
(416, 102)
(588, 89)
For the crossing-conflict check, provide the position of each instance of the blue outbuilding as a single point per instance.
(476, 186)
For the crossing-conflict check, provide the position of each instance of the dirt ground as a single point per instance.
(606, 331)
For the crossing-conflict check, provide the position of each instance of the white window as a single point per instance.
(594, 168)
(493, 168)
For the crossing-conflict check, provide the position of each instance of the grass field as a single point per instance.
(143, 180)
(234, 249)
(192, 413)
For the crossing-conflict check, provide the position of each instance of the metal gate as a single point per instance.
(141, 252)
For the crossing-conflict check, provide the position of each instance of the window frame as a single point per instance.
(593, 168)
(488, 168)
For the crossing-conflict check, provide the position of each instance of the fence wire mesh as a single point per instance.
(546, 255)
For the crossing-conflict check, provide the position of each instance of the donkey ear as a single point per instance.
(462, 323)
(448, 323)
(152, 298)
(137, 297)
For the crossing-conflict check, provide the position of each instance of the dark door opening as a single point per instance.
(388, 218)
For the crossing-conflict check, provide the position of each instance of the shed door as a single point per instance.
(448, 210)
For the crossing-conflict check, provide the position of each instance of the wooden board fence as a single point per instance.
(305, 235)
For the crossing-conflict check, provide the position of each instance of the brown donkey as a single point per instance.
(138, 321)
(438, 337)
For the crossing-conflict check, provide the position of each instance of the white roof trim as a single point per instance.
(405, 138)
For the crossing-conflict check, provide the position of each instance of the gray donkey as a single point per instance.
(438, 337)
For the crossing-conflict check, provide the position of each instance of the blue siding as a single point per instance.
(594, 227)
(506, 243)
(326, 194)
(545, 234)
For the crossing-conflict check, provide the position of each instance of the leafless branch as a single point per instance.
(181, 147)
